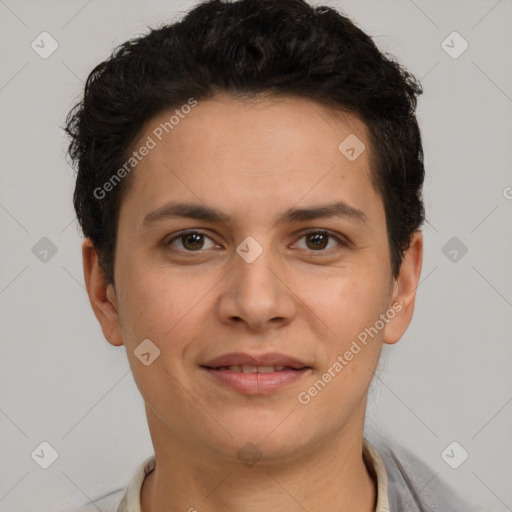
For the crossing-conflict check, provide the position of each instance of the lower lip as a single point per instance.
(256, 383)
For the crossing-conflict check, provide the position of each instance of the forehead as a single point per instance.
(224, 124)
(234, 153)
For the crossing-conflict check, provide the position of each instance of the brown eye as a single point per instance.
(190, 241)
(320, 240)
(317, 240)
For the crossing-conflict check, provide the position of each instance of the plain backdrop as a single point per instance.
(448, 379)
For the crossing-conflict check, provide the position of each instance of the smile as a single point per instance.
(255, 380)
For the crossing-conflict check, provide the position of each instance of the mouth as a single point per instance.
(255, 375)
(254, 369)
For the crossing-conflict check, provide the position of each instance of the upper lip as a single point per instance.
(244, 359)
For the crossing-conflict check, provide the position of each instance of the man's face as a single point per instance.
(260, 280)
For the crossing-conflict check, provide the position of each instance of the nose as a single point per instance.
(256, 293)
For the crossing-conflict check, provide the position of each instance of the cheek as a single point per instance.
(352, 301)
(150, 305)
(161, 310)
(352, 350)
(165, 306)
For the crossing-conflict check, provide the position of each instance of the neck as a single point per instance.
(329, 476)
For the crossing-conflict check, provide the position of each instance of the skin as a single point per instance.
(254, 160)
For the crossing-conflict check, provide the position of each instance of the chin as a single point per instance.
(270, 436)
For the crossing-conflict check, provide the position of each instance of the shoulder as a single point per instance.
(106, 503)
(413, 486)
(126, 499)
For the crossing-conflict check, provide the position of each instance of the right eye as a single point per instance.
(190, 241)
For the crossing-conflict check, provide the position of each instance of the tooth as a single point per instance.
(279, 368)
(249, 369)
(266, 369)
(235, 368)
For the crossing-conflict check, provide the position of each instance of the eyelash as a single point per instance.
(341, 243)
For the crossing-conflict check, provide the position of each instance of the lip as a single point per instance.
(268, 359)
(256, 383)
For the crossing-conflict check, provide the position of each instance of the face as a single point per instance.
(249, 240)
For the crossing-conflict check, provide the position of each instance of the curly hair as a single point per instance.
(247, 48)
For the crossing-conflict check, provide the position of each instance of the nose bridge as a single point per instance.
(256, 293)
(253, 268)
(257, 278)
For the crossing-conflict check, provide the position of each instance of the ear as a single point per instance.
(101, 295)
(404, 292)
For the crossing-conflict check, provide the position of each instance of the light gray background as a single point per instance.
(447, 380)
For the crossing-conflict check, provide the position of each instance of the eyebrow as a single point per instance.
(337, 209)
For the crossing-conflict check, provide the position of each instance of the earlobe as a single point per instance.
(404, 290)
(101, 295)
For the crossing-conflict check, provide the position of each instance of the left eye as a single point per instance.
(191, 241)
(319, 240)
